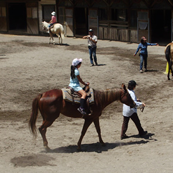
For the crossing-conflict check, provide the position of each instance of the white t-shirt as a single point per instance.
(127, 111)
(91, 43)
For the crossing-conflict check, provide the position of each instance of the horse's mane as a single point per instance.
(108, 95)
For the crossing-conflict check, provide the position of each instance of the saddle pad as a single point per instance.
(68, 97)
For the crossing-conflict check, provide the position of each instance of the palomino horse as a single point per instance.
(51, 104)
(56, 29)
(169, 57)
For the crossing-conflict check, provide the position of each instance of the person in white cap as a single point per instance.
(92, 45)
(53, 19)
(74, 83)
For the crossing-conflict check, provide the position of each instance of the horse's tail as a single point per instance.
(62, 32)
(34, 115)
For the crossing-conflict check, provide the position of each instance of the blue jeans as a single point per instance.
(51, 24)
(92, 51)
(143, 58)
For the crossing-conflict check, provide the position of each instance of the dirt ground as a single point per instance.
(29, 66)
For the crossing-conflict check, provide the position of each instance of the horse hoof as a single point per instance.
(47, 148)
(79, 149)
(103, 144)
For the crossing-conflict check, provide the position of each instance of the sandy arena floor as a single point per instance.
(29, 66)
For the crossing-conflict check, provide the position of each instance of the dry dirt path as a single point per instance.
(29, 65)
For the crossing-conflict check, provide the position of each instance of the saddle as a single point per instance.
(52, 25)
(72, 96)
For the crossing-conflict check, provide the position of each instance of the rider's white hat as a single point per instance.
(53, 13)
(76, 61)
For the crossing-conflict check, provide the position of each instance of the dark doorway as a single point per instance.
(47, 10)
(17, 16)
(161, 26)
(81, 21)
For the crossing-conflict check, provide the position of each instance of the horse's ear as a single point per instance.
(124, 87)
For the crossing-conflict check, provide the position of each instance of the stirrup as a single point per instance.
(82, 111)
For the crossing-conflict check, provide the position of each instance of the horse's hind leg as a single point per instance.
(171, 67)
(169, 70)
(43, 129)
(58, 37)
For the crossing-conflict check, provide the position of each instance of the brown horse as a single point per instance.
(51, 104)
(169, 58)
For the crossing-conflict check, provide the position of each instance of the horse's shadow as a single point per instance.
(62, 44)
(97, 147)
(3, 57)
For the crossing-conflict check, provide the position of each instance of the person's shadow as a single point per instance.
(151, 71)
(101, 64)
(147, 136)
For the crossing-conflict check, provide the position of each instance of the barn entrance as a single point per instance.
(17, 16)
(81, 21)
(161, 26)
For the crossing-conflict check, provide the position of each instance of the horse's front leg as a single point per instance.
(49, 40)
(87, 123)
(53, 40)
(97, 126)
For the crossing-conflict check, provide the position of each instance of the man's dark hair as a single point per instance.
(131, 85)
(142, 40)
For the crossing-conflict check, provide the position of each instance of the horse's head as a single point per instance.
(45, 26)
(126, 98)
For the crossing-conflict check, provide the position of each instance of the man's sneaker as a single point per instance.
(82, 111)
(141, 71)
(143, 134)
(124, 137)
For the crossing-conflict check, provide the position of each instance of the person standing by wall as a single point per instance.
(131, 113)
(143, 52)
(92, 45)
